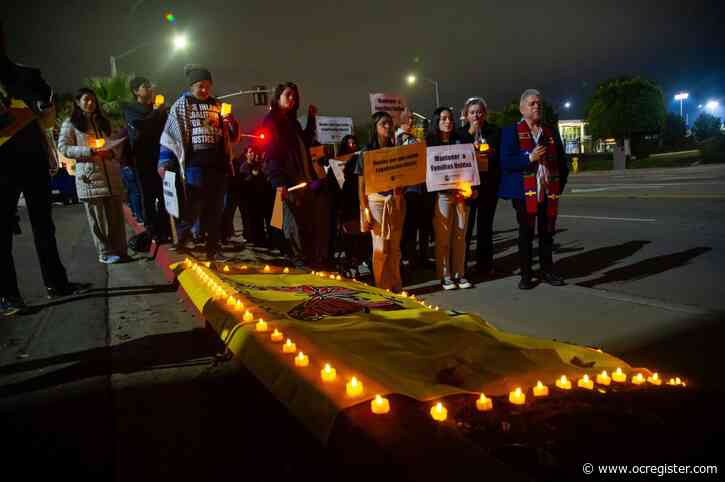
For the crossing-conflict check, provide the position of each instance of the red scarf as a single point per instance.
(551, 161)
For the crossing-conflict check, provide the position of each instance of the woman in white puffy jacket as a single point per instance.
(98, 177)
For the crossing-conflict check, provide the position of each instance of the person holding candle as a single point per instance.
(289, 164)
(451, 213)
(383, 213)
(533, 175)
(486, 139)
(145, 119)
(98, 178)
(196, 141)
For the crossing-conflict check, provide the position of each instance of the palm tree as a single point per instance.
(112, 93)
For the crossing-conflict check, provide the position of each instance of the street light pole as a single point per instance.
(180, 42)
(412, 79)
(682, 96)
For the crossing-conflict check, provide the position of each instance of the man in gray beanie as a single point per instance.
(196, 143)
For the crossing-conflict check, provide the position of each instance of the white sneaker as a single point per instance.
(464, 284)
(109, 259)
(448, 284)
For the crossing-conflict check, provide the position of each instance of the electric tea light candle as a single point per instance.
(380, 405)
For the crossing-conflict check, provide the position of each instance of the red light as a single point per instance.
(261, 136)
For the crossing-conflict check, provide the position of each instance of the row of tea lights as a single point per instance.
(518, 397)
(381, 405)
(353, 388)
(188, 263)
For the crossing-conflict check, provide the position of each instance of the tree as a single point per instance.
(675, 130)
(625, 106)
(112, 93)
(706, 126)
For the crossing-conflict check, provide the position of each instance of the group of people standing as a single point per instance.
(194, 138)
(525, 164)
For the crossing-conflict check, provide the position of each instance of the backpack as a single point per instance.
(140, 243)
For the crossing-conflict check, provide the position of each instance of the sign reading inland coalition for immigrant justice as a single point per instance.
(392, 167)
(448, 167)
(331, 130)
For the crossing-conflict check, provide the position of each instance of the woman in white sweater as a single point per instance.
(98, 178)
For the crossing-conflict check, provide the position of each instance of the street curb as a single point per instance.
(162, 256)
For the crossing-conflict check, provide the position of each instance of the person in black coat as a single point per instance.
(26, 169)
(486, 139)
(145, 121)
(306, 228)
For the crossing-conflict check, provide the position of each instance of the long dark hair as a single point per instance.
(274, 103)
(343, 148)
(80, 121)
(374, 144)
(433, 136)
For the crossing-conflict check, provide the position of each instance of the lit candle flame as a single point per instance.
(466, 189)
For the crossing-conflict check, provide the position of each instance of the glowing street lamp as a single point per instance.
(412, 79)
(712, 105)
(682, 96)
(567, 105)
(181, 41)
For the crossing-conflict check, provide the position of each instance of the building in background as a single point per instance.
(576, 139)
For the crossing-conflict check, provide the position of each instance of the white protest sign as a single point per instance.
(171, 200)
(393, 104)
(448, 167)
(338, 168)
(331, 130)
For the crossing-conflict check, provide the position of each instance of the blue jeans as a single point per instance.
(128, 175)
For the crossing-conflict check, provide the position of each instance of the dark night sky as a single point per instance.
(340, 51)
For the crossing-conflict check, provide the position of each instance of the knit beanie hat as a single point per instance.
(195, 72)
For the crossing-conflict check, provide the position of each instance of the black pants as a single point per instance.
(526, 237)
(232, 201)
(483, 211)
(417, 226)
(204, 204)
(27, 173)
(156, 219)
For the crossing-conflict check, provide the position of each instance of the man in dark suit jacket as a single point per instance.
(25, 168)
(533, 175)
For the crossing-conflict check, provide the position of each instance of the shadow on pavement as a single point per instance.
(590, 262)
(647, 267)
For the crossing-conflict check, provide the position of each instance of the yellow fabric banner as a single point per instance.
(392, 167)
(393, 344)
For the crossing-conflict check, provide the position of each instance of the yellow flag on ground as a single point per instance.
(393, 344)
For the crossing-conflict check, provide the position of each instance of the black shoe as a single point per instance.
(552, 279)
(69, 289)
(526, 283)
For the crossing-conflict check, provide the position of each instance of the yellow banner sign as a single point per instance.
(392, 167)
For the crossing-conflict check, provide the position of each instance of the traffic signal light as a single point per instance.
(260, 98)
